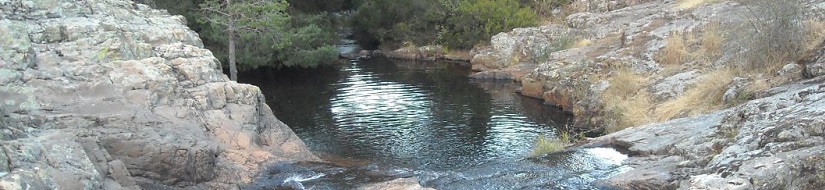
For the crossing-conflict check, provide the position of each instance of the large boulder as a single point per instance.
(517, 52)
(112, 94)
(396, 184)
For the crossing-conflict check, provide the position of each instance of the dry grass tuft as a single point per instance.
(675, 51)
(625, 83)
(752, 91)
(632, 111)
(759, 85)
(689, 4)
(815, 32)
(704, 97)
(712, 41)
(546, 145)
(627, 100)
(582, 43)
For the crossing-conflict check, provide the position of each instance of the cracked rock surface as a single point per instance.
(109, 94)
(776, 142)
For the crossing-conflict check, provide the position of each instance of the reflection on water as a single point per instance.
(413, 114)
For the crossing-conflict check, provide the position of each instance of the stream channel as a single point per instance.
(379, 119)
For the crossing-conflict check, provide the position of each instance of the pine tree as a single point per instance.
(259, 21)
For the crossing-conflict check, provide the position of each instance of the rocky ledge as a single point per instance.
(429, 53)
(776, 142)
(574, 63)
(763, 137)
(110, 94)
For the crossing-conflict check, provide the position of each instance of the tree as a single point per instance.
(310, 39)
(459, 24)
(479, 20)
(250, 21)
(316, 6)
(392, 22)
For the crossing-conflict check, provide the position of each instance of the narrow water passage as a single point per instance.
(420, 115)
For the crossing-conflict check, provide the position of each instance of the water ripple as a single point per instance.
(418, 115)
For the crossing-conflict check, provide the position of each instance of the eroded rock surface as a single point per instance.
(767, 140)
(571, 64)
(776, 142)
(115, 95)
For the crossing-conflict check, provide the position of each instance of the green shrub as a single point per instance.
(392, 22)
(477, 21)
(459, 24)
(310, 57)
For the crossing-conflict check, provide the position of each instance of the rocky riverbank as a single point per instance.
(115, 95)
(776, 142)
(655, 72)
(608, 52)
(429, 53)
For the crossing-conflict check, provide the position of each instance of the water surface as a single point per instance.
(419, 115)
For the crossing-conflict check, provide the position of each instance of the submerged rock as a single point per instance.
(116, 95)
(396, 184)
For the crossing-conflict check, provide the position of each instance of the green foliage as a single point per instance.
(310, 39)
(268, 33)
(185, 8)
(477, 21)
(255, 24)
(458, 24)
(391, 22)
(311, 57)
(317, 6)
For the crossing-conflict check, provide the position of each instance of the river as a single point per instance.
(424, 119)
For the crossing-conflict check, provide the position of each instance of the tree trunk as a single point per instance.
(233, 69)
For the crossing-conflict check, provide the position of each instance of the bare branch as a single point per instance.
(754, 16)
(214, 10)
(210, 20)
